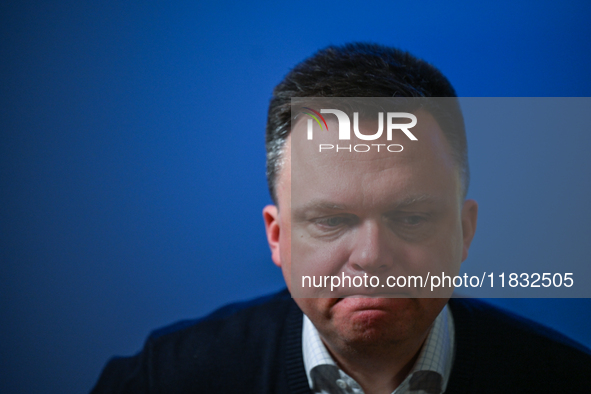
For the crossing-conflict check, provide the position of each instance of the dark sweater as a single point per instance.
(255, 347)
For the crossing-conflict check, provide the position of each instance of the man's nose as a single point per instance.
(370, 250)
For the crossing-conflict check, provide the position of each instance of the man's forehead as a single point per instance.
(335, 176)
(326, 148)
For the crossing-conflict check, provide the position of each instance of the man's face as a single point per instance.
(375, 213)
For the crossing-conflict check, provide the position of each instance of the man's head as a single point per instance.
(375, 213)
(362, 70)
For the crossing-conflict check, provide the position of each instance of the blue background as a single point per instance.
(132, 156)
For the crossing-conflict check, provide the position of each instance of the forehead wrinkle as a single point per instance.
(413, 200)
(380, 175)
(371, 200)
(325, 205)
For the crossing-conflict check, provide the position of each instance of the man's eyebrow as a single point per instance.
(323, 205)
(412, 200)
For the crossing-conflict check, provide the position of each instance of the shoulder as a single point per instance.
(243, 341)
(268, 311)
(485, 319)
(496, 348)
(232, 329)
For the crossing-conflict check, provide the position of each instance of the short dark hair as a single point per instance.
(362, 70)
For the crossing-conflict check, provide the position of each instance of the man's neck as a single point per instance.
(377, 369)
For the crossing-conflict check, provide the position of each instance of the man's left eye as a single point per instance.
(408, 221)
(412, 220)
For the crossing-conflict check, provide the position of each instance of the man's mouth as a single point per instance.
(373, 293)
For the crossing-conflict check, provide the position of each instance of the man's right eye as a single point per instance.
(333, 222)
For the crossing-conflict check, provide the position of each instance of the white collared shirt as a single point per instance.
(429, 375)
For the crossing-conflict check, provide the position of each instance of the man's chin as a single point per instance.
(367, 315)
(364, 322)
(356, 305)
(370, 325)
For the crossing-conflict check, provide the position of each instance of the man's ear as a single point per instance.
(469, 218)
(271, 218)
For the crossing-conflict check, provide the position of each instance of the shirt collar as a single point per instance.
(430, 373)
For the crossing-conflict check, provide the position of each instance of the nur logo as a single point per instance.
(344, 124)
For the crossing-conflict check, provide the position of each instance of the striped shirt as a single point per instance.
(429, 375)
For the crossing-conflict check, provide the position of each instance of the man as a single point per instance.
(381, 213)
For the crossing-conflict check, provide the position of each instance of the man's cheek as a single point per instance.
(433, 260)
(314, 264)
(321, 257)
(317, 309)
